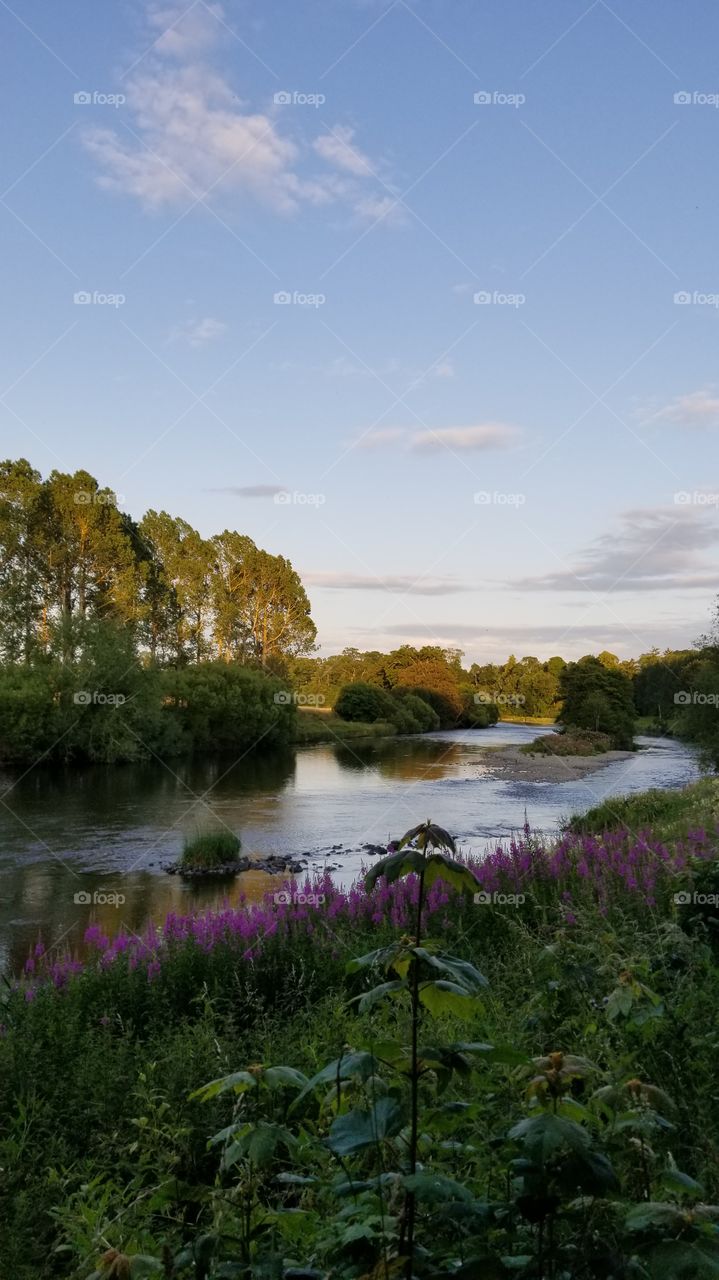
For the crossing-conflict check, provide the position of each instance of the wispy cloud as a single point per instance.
(402, 584)
(695, 409)
(199, 333)
(479, 438)
(250, 490)
(654, 548)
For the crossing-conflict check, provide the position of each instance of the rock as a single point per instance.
(377, 850)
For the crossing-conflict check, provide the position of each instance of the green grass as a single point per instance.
(569, 744)
(213, 849)
(670, 814)
(324, 726)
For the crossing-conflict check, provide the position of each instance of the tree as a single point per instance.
(598, 698)
(21, 596)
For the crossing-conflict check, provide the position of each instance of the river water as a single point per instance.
(109, 830)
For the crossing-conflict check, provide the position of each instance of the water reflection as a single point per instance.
(65, 832)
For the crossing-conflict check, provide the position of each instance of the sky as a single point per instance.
(422, 295)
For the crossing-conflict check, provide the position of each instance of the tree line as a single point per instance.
(69, 556)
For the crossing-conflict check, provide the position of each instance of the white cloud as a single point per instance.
(339, 148)
(654, 548)
(199, 333)
(695, 409)
(403, 584)
(486, 435)
(190, 135)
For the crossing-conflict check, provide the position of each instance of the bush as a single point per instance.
(364, 702)
(584, 742)
(213, 849)
(421, 712)
(447, 710)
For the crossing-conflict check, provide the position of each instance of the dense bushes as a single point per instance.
(107, 707)
(408, 712)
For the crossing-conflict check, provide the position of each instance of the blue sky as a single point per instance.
(488, 414)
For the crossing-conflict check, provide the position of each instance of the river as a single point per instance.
(109, 830)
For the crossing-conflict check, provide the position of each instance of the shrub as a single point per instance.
(422, 713)
(585, 742)
(364, 702)
(212, 849)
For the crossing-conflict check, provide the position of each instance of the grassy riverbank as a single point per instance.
(315, 724)
(103, 1152)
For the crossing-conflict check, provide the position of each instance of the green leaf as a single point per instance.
(360, 1129)
(428, 834)
(675, 1180)
(351, 1064)
(372, 959)
(372, 997)
(456, 874)
(433, 1188)
(258, 1143)
(393, 868)
(446, 997)
(545, 1135)
(460, 971)
(284, 1077)
(239, 1081)
(652, 1214)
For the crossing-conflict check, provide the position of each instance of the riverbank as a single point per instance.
(315, 724)
(104, 1074)
(512, 764)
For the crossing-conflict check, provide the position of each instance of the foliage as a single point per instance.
(565, 1111)
(598, 697)
(210, 849)
(581, 742)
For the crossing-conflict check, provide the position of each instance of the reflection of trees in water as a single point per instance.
(409, 761)
(48, 891)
